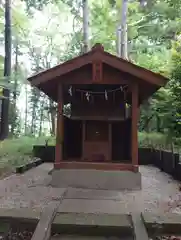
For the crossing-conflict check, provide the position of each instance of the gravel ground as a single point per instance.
(29, 190)
(32, 190)
(159, 191)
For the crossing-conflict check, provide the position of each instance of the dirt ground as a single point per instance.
(32, 190)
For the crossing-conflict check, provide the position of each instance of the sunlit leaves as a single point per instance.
(38, 4)
(104, 24)
(20, 20)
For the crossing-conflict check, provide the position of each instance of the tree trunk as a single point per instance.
(41, 116)
(122, 31)
(52, 117)
(26, 108)
(158, 124)
(143, 3)
(35, 100)
(147, 109)
(7, 72)
(13, 125)
(85, 26)
(126, 42)
(33, 120)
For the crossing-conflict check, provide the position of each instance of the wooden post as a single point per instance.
(83, 138)
(134, 125)
(110, 141)
(59, 136)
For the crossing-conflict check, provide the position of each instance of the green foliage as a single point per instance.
(18, 151)
(175, 85)
(154, 140)
(103, 25)
(152, 28)
(155, 60)
(36, 4)
(158, 141)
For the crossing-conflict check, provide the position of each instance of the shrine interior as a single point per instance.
(98, 127)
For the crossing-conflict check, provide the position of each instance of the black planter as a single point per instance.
(168, 162)
(178, 172)
(150, 156)
(45, 153)
(175, 165)
(145, 156)
(160, 160)
(156, 160)
(20, 169)
(38, 162)
(28, 166)
(164, 160)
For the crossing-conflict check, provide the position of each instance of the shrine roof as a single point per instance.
(62, 71)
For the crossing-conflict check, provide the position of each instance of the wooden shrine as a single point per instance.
(104, 93)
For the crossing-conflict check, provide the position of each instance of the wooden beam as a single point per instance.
(97, 74)
(61, 69)
(105, 57)
(132, 69)
(98, 118)
(83, 137)
(134, 125)
(107, 166)
(59, 136)
(110, 139)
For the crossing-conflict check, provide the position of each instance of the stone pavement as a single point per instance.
(159, 193)
(32, 190)
(69, 237)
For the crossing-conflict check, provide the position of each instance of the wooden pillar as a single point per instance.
(59, 134)
(134, 125)
(110, 141)
(83, 139)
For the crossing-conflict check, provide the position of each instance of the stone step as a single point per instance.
(92, 224)
(77, 237)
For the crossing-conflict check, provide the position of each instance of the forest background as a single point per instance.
(39, 34)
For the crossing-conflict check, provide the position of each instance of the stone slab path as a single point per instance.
(68, 237)
(159, 193)
(32, 190)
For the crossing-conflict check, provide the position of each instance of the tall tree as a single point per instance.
(85, 26)
(123, 30)
(26, 110)
(7, 71)
(13, 125)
